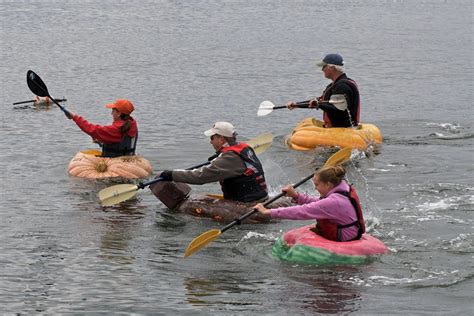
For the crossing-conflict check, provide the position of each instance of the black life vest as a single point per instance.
(251, 185)
(126, 147)
(333, 231)
(351, 116)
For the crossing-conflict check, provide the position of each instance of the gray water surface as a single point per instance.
(186, 64)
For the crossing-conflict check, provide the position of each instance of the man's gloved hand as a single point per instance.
(166, 175)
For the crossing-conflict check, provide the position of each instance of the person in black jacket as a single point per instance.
(340, 114)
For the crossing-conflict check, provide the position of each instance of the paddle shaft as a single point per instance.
(305, 104)
(57, 103)
(31, 101)
(273, 199)
(147, 183)
(302, 104)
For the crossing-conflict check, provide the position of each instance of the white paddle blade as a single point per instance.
(117, 193)
(265, 108)
(339, 101)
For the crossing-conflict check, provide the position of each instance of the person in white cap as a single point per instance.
(236, 167)
(345, 114)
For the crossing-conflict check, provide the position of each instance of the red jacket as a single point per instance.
(105, 134)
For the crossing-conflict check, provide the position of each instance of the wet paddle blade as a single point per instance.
(339, 101)
(338, 158)
(201, 241)
(117, 193)
(261, 142)
(36, 85)
(265, 108)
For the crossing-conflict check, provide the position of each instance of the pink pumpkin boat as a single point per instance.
(304, 246)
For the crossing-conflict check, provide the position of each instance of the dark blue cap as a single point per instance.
(334, 59)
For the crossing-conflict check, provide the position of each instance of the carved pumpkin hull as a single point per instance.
(88, 166)
(310, 133)
(303, 245)
(176, 196)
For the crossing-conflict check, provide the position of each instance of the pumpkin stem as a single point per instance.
(101, 166)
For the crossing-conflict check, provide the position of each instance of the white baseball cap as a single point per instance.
(221, 128)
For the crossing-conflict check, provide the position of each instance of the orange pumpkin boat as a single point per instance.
(311, 133)
(87, 164)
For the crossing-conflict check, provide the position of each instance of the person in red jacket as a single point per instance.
(117, 139)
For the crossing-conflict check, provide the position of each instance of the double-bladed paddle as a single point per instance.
(202, 240)
(267, 107)
(122, 192)
(32, 101)
(38, 87)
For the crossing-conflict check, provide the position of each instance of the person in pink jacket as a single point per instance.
(337, 210)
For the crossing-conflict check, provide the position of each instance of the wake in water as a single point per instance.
(444, 132)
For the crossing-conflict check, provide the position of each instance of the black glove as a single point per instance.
(166, 175)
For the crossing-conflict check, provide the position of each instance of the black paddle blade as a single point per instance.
(36, 85)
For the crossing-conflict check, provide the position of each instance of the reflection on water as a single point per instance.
(328, 295)
(307, 290)
(220, 291)
(199, 291)
(120, 225)
(185, 66)
(169, 220)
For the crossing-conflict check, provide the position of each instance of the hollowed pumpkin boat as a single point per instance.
(88, 164)
(310, 133)
(178, 197)
(304, 246)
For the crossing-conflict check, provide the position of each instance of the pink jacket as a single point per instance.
(334, 207)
